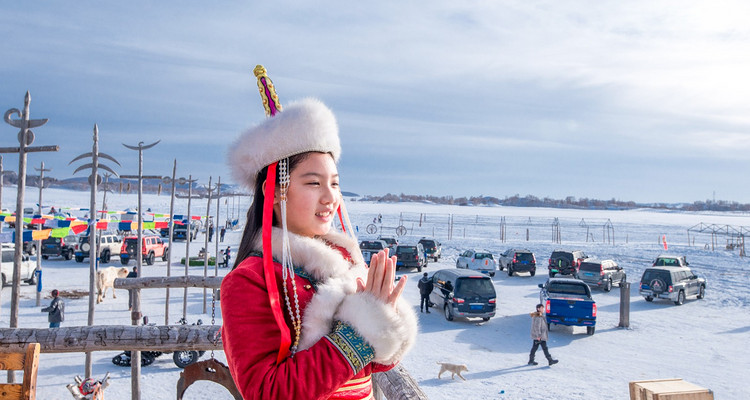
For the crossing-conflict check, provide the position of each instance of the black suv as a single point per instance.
(463, 293)
(432, 248)
(565, 262)
(180, 230)
(410, 256)
(59, 247)
(517, 260)
(29, 247)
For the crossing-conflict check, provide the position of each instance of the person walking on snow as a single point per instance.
(222, 231)
(539, 335)
(131, 274)
(227, 256)
(55, 310)
(425, 288)
(210, 232)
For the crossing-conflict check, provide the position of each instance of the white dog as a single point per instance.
(454, 369)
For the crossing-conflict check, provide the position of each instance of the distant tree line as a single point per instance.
(568, 202)
(152, 186)
(10, 178)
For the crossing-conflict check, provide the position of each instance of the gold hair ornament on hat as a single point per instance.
(267, 91)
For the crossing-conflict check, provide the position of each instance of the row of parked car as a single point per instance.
(567, 300)
(108, 246)
(407, 255)
(512, 261)
(669, 277)
(469, 291)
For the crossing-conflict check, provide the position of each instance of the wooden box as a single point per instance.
(668, 389)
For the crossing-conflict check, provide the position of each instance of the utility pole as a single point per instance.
(38, 271)
(105, 189)
(170, 236)
(187, 244)
(205, 253)
(25, 139)
(217, 230)
(135, 316)
(173, 180)
(94, 179)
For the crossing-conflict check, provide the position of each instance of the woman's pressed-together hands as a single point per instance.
(380, 279)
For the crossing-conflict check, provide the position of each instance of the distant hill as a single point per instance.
(118, 185)
(568, 202)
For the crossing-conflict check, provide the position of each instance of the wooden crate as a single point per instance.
(668, 389)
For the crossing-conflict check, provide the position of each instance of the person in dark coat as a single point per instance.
(131, 274)
(55, 310)
(425, 288)
(221, 233)
(210, 232)
(539, 335)
(227, 256)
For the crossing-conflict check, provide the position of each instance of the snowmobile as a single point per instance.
(181, 358)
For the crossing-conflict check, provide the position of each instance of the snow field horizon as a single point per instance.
(702, 341)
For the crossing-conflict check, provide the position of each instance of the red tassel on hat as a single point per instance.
(272, 106)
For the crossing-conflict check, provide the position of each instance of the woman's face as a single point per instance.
(313, 196)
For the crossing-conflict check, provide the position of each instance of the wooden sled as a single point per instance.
(208, 370)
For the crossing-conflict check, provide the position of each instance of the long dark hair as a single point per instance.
(254, 224)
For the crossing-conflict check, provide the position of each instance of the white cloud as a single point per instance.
(608, 77)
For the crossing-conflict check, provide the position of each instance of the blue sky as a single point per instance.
(639, 100)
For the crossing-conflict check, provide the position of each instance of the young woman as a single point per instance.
(333, 321)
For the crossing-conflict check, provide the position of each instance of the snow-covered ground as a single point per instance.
(703, 341)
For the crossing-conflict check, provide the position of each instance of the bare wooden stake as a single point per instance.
(114, 337)
(25, 139)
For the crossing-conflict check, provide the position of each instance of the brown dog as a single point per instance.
(454, 369)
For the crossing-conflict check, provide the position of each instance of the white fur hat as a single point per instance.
(306, 125)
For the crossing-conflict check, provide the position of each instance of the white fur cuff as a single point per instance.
(391, 333)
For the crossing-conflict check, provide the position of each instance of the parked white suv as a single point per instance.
(108, 246)
(6, 266)
(481, 261)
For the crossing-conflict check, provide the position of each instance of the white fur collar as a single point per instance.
(314, 255)
(336, 276)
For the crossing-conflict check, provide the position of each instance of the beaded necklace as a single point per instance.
(287, 268)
